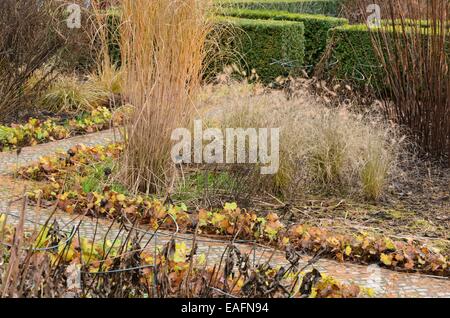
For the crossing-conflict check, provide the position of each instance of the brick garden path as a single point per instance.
(384, 282)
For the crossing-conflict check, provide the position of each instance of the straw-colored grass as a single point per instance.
(163, 48)
(322, 151)
(71, 94)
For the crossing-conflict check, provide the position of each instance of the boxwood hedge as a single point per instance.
(353, 58)
(326, 7)
(272, 48)
(316, 28)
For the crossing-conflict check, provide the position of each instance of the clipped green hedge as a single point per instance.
(410, 22)
(353, 58)
(316, 28)
(272, 48)
(326, 7)
(113, 20)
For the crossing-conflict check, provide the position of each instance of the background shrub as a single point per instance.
(352, 57)
(113, 34)
(416, 63)
(316, 28)
(403, 67)
(355, 10)
(326, 7)
(29, 40)
(272, 48)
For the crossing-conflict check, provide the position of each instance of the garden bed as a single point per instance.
(57, 263)
(100, 200)
(37, 131)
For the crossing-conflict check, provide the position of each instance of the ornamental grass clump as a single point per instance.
(163, 47)
(322, 150)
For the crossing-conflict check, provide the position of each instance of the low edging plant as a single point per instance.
(76, 159)
(326, 7)
(37, 132)
(59, 264)
(271, 48)
(247, 225)
(316, 28)
(228, 221)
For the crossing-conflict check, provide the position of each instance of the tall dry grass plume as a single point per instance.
(163, 49)
(413, 48)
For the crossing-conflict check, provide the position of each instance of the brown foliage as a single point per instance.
(29, 40)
